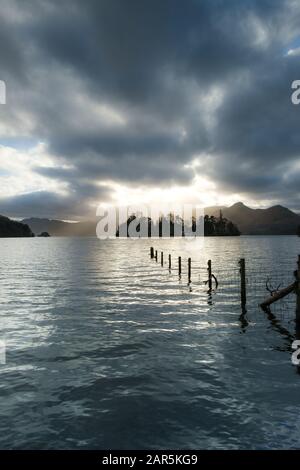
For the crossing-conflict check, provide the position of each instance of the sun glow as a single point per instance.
(202, 193)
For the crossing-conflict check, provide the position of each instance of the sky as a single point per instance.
(147, 101)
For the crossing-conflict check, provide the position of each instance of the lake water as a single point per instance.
(107, 349)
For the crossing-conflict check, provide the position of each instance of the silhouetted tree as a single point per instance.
(213, 227)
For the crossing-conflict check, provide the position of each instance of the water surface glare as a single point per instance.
(107, 349)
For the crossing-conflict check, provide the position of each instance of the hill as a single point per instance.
(59, 228)
(276, 220)
(10, 228)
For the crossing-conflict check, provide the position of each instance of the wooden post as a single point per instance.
(170, 262)
(189, 270)
(152, 252)
(298, 292)
(156, 255)
(243, 281)
(179, 266)
(209, 275)
(162, 258)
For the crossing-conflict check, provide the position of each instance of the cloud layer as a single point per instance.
(148, 95)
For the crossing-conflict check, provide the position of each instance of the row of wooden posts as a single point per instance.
(154, 255)
(265, 305)
(211, 277)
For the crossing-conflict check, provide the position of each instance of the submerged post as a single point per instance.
(209, 274)
(179, 266)
(156, 255)
(298, 292)
(242, 264)
(151, 252)
(162, 258)
(189, 270)
(170, 262)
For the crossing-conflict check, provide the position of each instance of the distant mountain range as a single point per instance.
(276, 220)
(59, 228)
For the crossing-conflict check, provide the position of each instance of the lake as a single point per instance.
(106, 349)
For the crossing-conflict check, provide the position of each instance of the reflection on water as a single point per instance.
(107, 349)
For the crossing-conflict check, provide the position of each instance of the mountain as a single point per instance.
(59, 228)
(10, 228)
(45, 225)
(276, 220)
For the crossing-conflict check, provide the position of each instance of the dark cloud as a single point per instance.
(36, 204)
(12, 64)
(256, 139)
(53, 205)
(132, 91)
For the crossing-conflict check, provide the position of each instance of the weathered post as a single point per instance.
(189, 270)
(162, 258)
(209, 274)
(170, 262)
(179, 266)
(242, 264)
(156, 255)
(151, 252)
(298, 292)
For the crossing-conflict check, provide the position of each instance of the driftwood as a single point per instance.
(210, 281)
(271, 289)
(216, 280)
(279, 294)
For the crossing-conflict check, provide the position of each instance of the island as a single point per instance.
(213, 226)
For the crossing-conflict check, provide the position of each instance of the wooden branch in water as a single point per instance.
(216, 280)
(278, 295)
